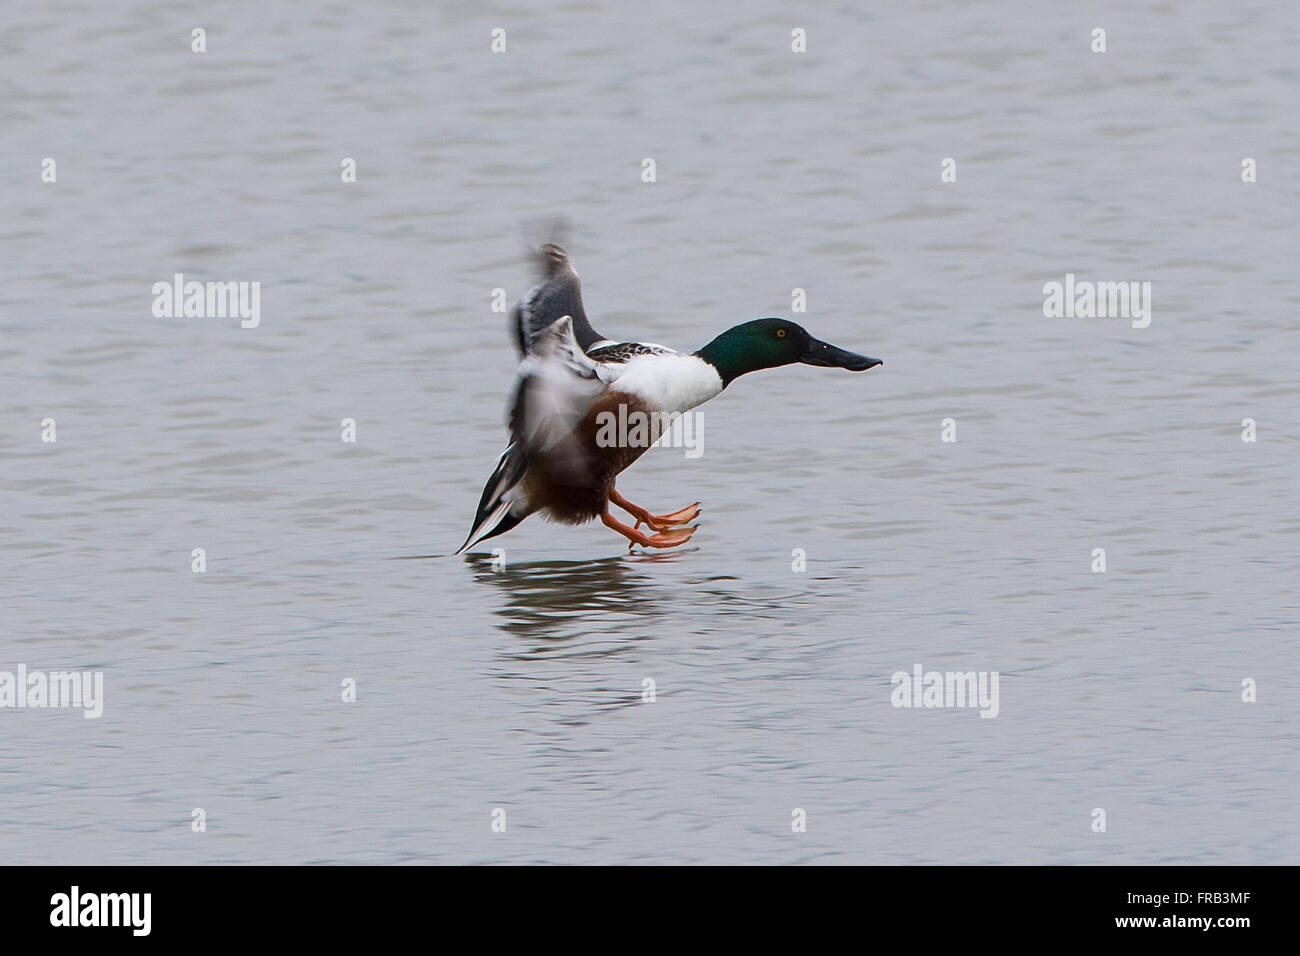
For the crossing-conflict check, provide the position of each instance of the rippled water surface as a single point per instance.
(522, 689)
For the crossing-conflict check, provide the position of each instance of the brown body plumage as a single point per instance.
(571, 483)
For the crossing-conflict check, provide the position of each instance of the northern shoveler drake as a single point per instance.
(571, 380)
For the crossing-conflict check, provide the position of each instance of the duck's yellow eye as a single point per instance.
(780, 333)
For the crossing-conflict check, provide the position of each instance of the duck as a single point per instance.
(572, 382)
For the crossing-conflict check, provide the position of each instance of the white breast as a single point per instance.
(669, 383)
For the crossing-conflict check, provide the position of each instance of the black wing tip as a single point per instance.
(507, 522)
(544, 233)
(553, 260)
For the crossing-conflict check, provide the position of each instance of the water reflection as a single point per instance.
(562, 600)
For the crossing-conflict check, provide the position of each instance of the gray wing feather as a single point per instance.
(556, 386)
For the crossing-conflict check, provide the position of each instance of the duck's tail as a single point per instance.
(493, 516)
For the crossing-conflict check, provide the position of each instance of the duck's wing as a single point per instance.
(555, 387)
(557, 295)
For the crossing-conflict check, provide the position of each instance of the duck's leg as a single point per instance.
(665, 539)
(656, 522)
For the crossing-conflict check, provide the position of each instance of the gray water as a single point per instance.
(521, 689)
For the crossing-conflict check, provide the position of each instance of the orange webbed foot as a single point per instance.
(669, 538)
(655, 522)
(665, 522)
